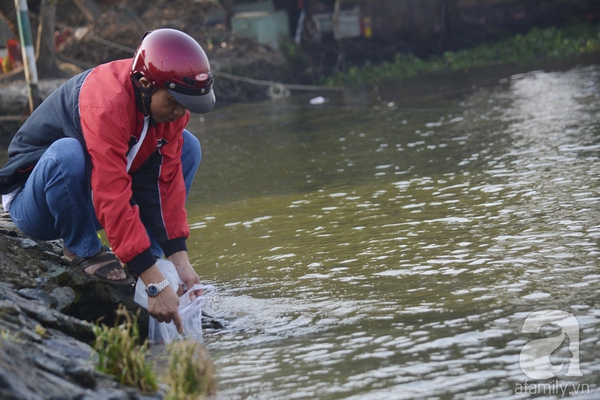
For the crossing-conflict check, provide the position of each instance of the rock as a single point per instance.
(46, 354)
(64, 297)
(28, 264)
(27, 243)
(37, 294)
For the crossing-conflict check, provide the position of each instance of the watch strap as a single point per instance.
(159, 286)
(162, 284)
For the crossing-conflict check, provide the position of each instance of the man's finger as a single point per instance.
(177, 320)
(192, 282)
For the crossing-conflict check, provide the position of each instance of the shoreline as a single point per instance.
(47, 353)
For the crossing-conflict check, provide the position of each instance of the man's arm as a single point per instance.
(184, 268)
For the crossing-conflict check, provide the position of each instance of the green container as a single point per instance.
(270, 28)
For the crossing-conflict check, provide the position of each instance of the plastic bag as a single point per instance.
(191, 320)
(189, 310)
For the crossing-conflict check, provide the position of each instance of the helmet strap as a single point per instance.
(143, 95)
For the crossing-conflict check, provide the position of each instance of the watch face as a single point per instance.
(152, 290)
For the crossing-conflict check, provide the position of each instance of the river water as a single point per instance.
(397, 242)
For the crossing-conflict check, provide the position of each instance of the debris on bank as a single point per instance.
(118, 31)
(116, 34)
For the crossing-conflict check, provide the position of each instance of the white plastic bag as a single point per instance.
(189, 310)
(191, 320)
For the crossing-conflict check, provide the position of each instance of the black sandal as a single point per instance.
(110, 262)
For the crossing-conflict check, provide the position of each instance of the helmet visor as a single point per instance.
(196, 103)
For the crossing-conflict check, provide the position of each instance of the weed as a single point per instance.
(190, 374)
(40, 330)
(121, 355)
(9, 336)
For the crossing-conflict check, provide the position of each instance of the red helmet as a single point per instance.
(173, 60)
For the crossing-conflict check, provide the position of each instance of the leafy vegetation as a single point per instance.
(571, 41)
(189, 373)
(40, 330)
(121, 355)
(8, 336)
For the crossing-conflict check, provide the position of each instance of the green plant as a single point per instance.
(121, 355)
(9, 336)
(570, 41)
(190, 374)
(43, 332)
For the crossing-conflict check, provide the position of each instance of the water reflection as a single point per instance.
(367, 249)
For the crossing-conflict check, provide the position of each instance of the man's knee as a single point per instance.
(68, 149)
(191, 147)
(64, 157)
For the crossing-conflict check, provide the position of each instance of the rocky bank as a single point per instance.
(47, 314)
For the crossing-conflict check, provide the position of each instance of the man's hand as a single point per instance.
(186, 273)
(165, 306)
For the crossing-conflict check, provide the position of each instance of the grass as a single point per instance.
(567, 42)
(189, 373)
(8, 336)
(40, 330)
(121, 355)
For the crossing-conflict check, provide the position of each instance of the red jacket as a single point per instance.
(152, 188)
(129, 183)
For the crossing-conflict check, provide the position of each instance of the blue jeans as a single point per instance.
(56, 202)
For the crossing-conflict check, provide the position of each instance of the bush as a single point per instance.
(538, 43)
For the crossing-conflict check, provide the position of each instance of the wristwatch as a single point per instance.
(154, 289)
